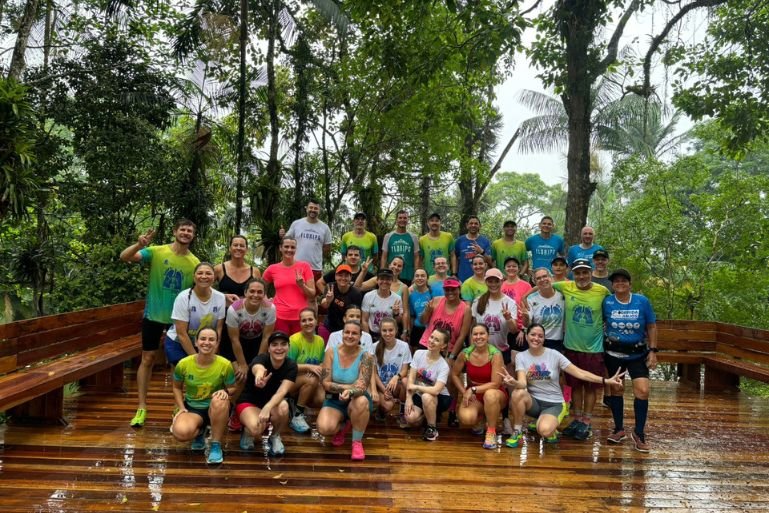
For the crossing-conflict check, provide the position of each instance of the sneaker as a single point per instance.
(246, 441)
(479, 428)
(571, 428)
(215, 454)
(453, 420)
(199, 443)
(357, 454)
(640, 443)
(564, 412)
(532, 426)
(553, 439)
(139, 418)
(339, 436)
(299, 423)
(516, 440)
(490, 442)
(234, 424)
(507, 427)
(276, 445)
(430, 434)
(583, 431)
(617, 436)
(402, 422)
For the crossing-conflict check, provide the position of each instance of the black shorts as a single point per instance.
(512, 341)
(201, 413)
(152, 331)
(415, 336)
(636, 367)
(444, 401)
(507, 355)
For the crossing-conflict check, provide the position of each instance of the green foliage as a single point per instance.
(754, 388)
(18, 182)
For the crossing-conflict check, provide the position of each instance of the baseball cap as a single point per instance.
(451, 282)
(435, 215)
(343, 268)
(359, 215)
(623, 273)
(493, 273)
(559, 259)
(385, 273)
(581, 263)
(601, 253)
(278, 335)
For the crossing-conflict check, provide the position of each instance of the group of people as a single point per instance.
(441, 325)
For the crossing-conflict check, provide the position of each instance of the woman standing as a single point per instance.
(484, 395)
(195, 308)
(535, 389)
(294, 287)
(475, 285)
(203, 383)
(347, 371)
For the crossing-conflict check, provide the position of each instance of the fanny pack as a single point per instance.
(614, 344)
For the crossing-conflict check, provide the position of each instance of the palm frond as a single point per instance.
(540, 103)
(331, 10)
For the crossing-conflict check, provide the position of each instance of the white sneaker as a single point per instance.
(507, 427)
(299, 423)
(276, 446)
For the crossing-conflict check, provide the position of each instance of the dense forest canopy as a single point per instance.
(119, 116)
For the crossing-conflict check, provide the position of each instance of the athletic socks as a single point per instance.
(357, 436)
(617, 405)
(641, 409)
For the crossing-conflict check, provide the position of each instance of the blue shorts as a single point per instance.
(174, 351)
(333, 401)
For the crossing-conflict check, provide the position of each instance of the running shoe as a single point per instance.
(233, 424)
(430, 434)
(532, 426)
(640, 442)
(340, 435)
(357, 454)
(199, 443)
(139, 418)
(571, 428)
(507, 427)
(490, 442)
(276, 445)
(215, 455)
(617, 436)
(299, 423)
(478, 429)
(246, 441)
(453, 420)
(516, 440)
(583, 431)
(553, 439)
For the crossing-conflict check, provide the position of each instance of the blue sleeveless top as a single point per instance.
(346, 376)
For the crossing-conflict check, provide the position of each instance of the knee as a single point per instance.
(359, 404)
(219, 407)
(327, 426)
(467, 416)
(148, 358)
(492, 398)
(429, 400)
(641, 393)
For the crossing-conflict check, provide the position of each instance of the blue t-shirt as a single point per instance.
(627, 322)
(463, 248)
(417, 303)
(576, 252)
(543, 251)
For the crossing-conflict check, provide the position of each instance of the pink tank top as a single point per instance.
(451, 322)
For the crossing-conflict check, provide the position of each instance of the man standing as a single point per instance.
(435, 243)
(560, 269)
(507, 246)
(467, 246)
(585, 249)
(172, 267)
(313, 238)
(601, 269)
(400, 243)
(363, 239)
(583, 342)
(546, 245)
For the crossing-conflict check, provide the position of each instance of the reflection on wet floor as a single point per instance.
(708, 454)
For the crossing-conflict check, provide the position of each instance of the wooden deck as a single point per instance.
(709, 453)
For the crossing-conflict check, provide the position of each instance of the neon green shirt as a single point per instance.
(472, 289)
(306, 353)
(583, 320)
(367, 243)
(431, 248)
(501, 250)
(169, 275)
(200, 383)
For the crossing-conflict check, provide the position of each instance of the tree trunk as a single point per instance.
(272, 105)
(424, 200)
(241, 115)
(27, 20)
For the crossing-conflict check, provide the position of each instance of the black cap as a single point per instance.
(581, 263)
(509, 222)
(278, 335)
(601, 253)
(559, 259)
(435, 215)
(359, 215)
(385, 273)
(620, 273)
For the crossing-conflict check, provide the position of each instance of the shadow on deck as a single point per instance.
(709, 453)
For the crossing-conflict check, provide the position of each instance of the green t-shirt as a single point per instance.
(404, 245)
(472, 289)
(306, 353)
(431, 248)
(200, 383)
(367, 243)
(501, 250)
(583, 320)
(169, 275)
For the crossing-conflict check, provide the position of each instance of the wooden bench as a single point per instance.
(727, 352)
(38, 357)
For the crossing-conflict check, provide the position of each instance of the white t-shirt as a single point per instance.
(198, 315)
(378, 308)
(495, 321)
(542, 373)
(393, 359)
(429, 373)
(310, 239)
(366, 342)
(549, 312)
(249, 325)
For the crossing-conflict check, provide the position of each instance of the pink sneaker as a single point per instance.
(233, 424)
(357, 451)
(339, 436)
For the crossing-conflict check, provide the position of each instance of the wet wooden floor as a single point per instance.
(710, 453)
